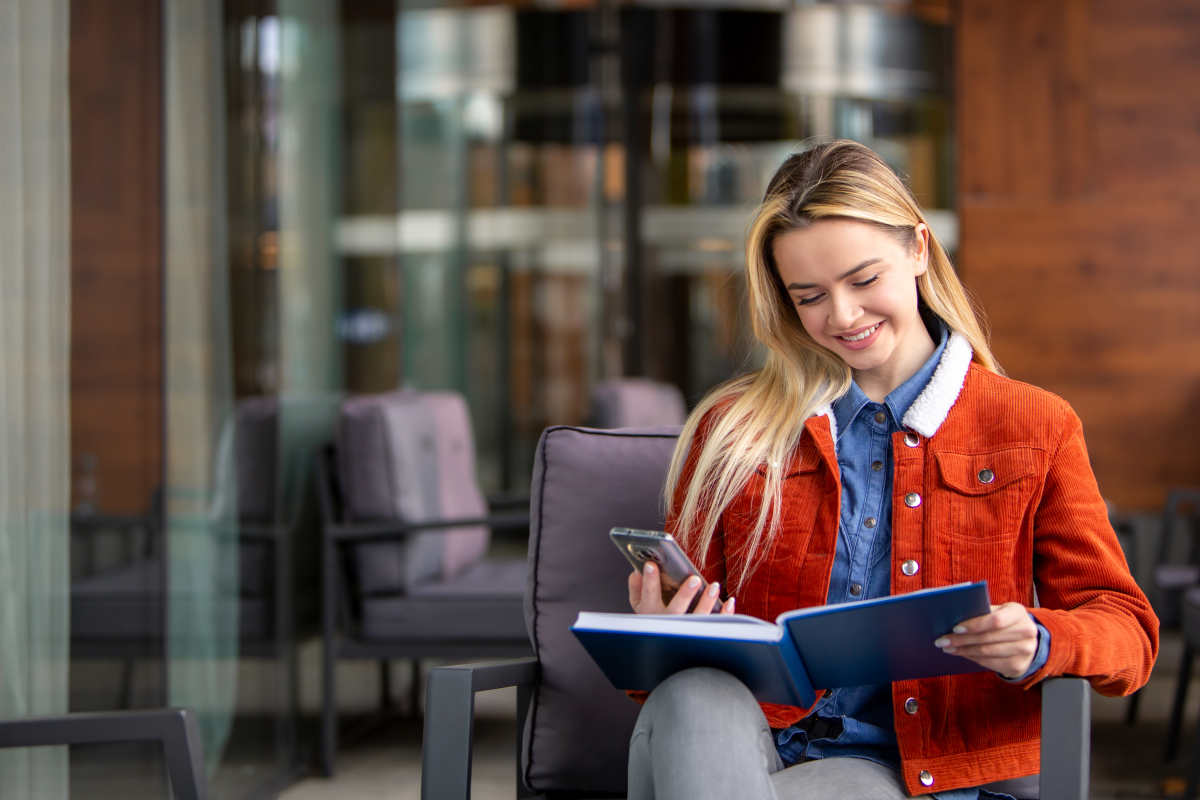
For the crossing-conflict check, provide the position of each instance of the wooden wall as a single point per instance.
(1079, 169)
(116, 248)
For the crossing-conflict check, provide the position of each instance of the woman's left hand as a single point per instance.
(1003, 641)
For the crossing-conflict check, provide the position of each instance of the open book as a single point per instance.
(826, 647)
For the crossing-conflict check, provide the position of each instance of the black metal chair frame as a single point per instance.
(337, 624)
(1177, 500)
(175, 728)
(450, 723)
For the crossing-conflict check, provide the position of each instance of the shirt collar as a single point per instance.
(847, 407)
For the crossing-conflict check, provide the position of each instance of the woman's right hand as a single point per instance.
(645, 595)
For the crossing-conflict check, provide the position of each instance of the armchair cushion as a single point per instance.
(410, 457)
(585, 482)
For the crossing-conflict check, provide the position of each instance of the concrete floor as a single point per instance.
(1126, 761)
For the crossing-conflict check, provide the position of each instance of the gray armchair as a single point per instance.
(175, 728)
(573, 726)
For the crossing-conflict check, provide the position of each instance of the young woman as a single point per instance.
(880, 450)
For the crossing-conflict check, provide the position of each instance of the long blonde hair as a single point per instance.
(762, 413)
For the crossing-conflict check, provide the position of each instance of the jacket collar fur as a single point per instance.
(929, 410)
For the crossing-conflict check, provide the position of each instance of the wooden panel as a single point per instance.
(1080, 204)
(116, 233)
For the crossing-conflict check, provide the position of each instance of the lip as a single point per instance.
(864, 343)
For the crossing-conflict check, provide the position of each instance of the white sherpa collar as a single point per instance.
(827, 411)
(929, 410)
(933, 404)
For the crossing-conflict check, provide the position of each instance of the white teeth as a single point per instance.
(860, 336)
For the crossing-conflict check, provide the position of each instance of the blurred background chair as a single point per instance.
(573, 726)
(637, 403)
(1173, 581)
(405, 531)
(175, 728)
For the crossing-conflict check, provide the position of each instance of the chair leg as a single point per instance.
(328, 663)
(1181, 688)
(1193, 780)
(385, 685)
(414, 689)
(1131, 710)
(125, 701)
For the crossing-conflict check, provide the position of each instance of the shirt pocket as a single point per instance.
(988, 498)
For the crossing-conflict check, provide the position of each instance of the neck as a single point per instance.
(877, 383)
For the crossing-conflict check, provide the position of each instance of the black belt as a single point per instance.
(821, 727)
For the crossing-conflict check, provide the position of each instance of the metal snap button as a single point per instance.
(912, 499)
(869, 522)
(926, 777)
(856, 589)
(878, 465)
(910, 567)
(911, 439)
(986, 476)
(880, 416)
(910, 705)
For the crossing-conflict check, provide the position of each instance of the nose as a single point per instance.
(843, 311)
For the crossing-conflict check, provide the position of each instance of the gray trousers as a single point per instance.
(702, 736)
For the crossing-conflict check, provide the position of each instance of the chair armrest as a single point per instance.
(450, 720)
(1066, 738)
(176, 728)
(384, 531)
(506, 502)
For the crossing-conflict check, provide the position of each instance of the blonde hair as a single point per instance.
(762, 413)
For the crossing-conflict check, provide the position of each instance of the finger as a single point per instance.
(710, 598)
(1013, 634)
(683, 597)
(635, 589)
(998, 650)
(729, 606)
(651, 591)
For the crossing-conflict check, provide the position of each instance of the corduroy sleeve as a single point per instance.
(1101, 624)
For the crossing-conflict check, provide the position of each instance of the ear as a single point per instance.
(921, 248)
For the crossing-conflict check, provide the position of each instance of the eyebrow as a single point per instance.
(791, 287)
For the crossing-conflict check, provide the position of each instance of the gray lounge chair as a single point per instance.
(572, 725)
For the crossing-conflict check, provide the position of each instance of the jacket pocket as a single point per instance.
(989, 507)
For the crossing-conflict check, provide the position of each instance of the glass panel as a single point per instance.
(201, 487)
(35, 343)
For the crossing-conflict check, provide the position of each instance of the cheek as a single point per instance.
(812, 320)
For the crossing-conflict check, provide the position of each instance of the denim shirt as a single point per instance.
(862, 570)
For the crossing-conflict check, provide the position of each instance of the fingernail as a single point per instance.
(959, 629)
(713, 589)
(693, 582)
(649, 569)
(950, 650)
(732, 603)
(942, 642)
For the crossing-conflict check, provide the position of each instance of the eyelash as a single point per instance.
(808, 301)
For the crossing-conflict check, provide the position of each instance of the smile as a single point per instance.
(858, 337)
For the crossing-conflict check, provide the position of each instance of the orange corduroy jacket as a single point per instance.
(1039, 523)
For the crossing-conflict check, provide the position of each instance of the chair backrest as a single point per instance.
(410, 457)
(585, 481)
(637, 403)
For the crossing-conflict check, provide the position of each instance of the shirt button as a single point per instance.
(910, 705)
(911, 439)
(869, 522)
(910, 567)
(926, 777)
(856, 589)
(986, 476)
(878, 465)
(912, 499)
(880, 416)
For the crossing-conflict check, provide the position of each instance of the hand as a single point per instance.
(646, 595)
(1004, 641)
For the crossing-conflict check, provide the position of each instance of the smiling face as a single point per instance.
(854, 288)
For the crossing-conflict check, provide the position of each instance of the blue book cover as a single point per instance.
(827, 647)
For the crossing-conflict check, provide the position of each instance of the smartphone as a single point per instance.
(674, 566)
